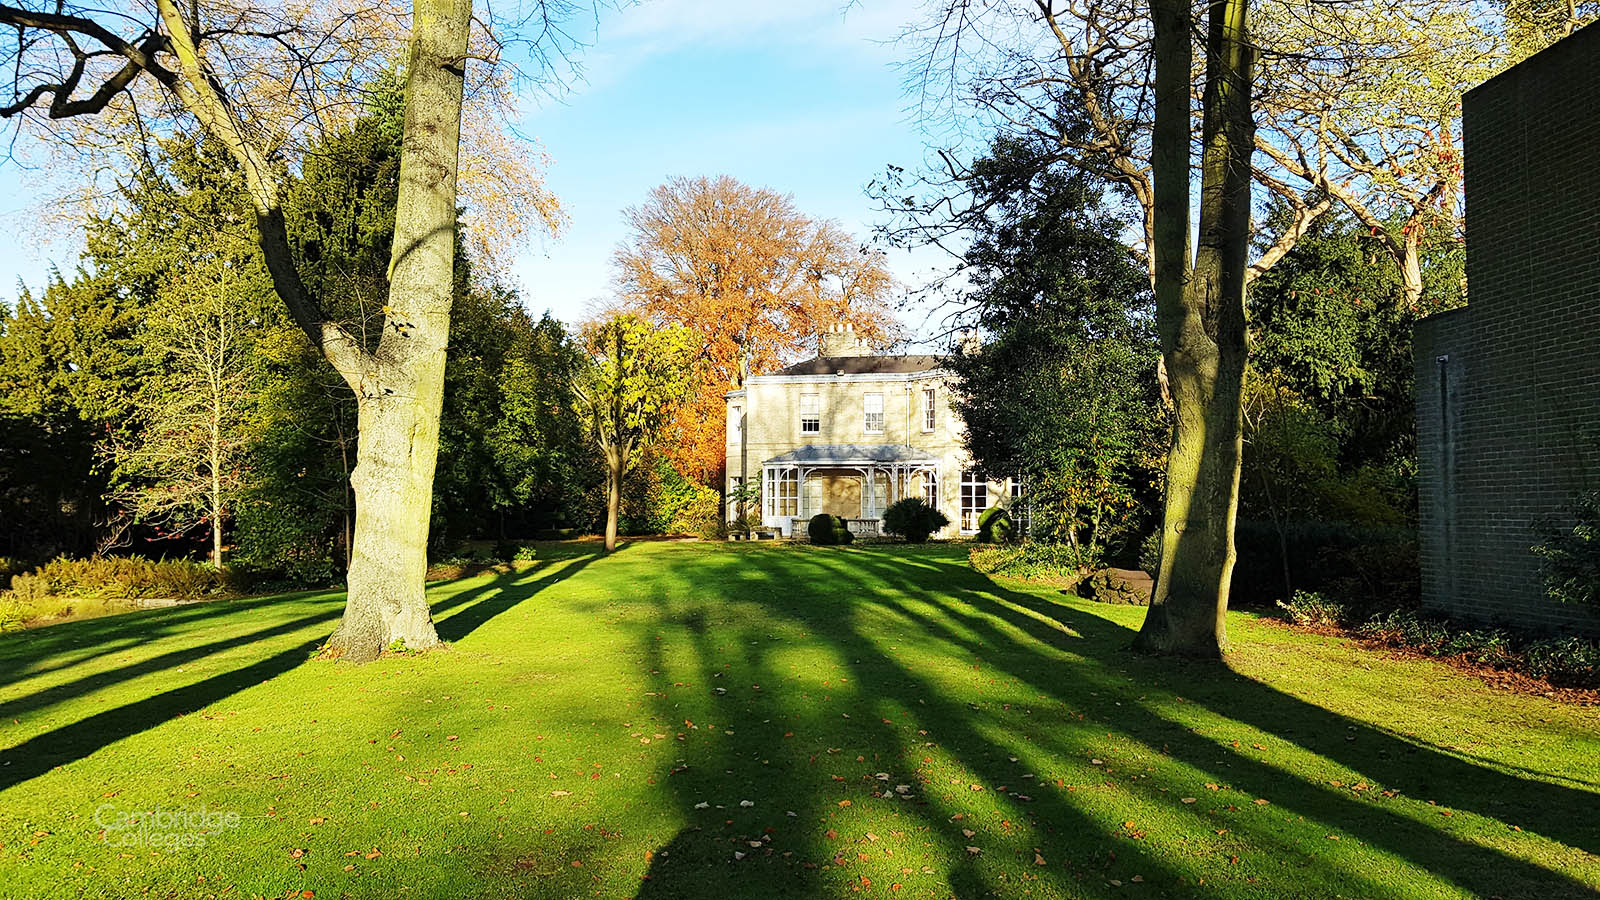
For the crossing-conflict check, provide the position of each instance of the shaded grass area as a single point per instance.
(685, 720)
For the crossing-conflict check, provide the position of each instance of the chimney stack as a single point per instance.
(841, 340)
(969, 343)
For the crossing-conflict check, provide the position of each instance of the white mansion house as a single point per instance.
(849, 433)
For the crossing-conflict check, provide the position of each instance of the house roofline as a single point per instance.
(868, 377)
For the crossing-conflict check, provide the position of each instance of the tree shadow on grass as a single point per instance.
(73, 742)
(502, 594)
(1404, 766)
(78, 740)
(23, 654)
(812, 842)
(1014, 634)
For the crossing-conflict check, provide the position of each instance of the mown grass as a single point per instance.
(599, 724)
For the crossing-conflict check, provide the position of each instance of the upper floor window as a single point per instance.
(735, 425)
(810, 414)
(873, 423)
(930, 412)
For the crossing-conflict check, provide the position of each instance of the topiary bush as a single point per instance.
(995, 526)
(913, 519)
(829, 530)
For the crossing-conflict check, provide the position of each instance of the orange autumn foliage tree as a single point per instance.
(755, 279)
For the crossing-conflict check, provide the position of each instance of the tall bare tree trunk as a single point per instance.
(400, 391)
(1200, 316)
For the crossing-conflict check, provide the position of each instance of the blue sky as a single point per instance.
(799, 97)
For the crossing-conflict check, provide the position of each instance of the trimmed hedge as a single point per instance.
(913, 519)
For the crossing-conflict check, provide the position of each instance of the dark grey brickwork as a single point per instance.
(1508, 388)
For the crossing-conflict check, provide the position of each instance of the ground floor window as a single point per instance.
(812, 498)
(930, 489)
(1021, 510)
(873, 493)
(783, 492)
(974, 499)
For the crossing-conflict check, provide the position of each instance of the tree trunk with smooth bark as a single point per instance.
(400, 388)
(1201, 319)
(615, 465)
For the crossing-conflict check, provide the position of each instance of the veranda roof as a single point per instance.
(851, 455)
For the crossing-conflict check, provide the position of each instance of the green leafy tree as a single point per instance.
(1061, 392)
(1337, 330)
(278, 75)
(634, 377)
(541, 450)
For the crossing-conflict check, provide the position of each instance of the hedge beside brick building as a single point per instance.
(1508, 387)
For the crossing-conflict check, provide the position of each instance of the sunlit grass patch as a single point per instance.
(685, 720)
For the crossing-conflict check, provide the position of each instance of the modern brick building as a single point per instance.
(1508, 387)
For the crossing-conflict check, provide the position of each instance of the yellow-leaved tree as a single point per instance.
(754, 279)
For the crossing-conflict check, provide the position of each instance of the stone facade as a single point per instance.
(857, 460)
(1508, 388)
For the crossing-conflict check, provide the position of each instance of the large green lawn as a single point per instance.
(689, 720)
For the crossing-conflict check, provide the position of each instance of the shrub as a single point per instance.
(1311, 608)
(1569, 661)
(657, 499)
(1029, 561)
(826, 529)
(511, 551)
(120, 578)
(1150, 552)
(995, 526)
(913, 519)
(1571, 554)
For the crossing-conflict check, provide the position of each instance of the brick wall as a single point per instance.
(1508, 388)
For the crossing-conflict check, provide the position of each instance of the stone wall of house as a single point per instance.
(1508, 388)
